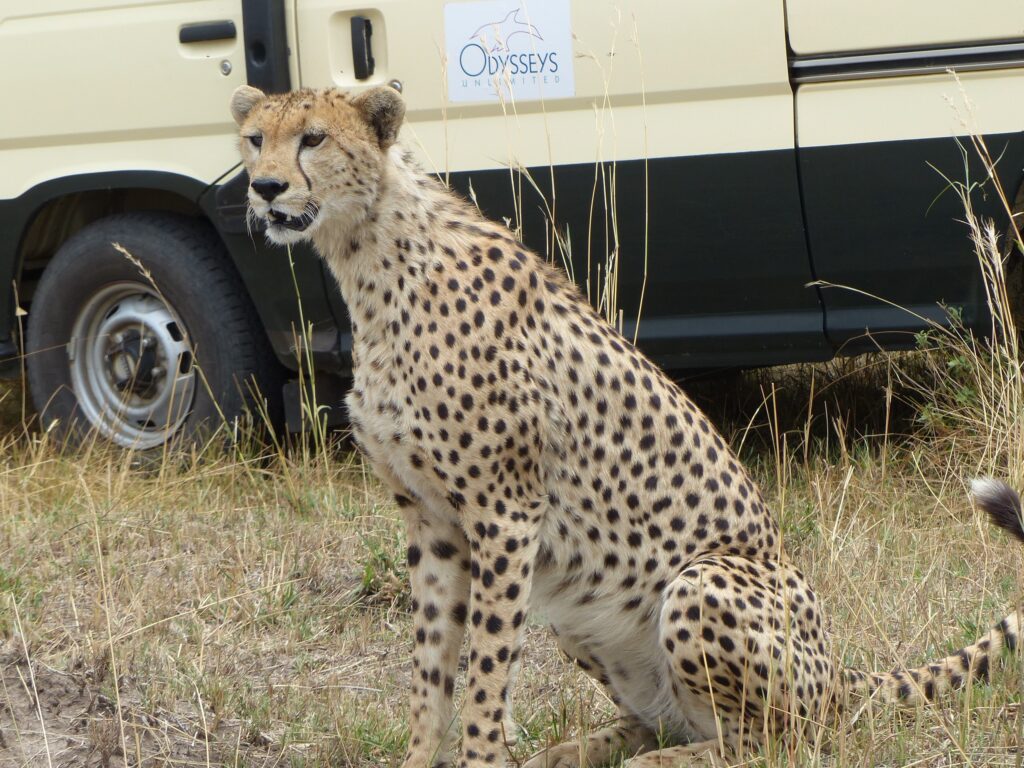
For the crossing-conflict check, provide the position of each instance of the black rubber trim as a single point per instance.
(266, 45)
(883, 218)
(10, 360)
(231, 206)
(722, 289)
(206, 31)
(17, 214)
(328, 397)
(862, 65)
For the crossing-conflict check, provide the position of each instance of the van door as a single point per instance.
(882, 130)
(116, 85)
(661, 147)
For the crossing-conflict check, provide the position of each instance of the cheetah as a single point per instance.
(539, 461)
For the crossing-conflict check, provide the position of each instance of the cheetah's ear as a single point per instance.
(383, 109)
(243, 100)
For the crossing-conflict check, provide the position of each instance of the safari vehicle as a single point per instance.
(700, 168)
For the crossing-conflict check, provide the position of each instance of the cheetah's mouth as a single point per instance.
(281, 220)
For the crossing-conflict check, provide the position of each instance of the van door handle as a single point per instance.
(205, 31)
(362, 51)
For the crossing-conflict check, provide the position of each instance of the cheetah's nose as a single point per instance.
(268, 189)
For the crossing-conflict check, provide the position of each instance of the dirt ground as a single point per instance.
(59, 719)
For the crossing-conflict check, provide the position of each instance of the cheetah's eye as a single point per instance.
(312, 139)
(257, 140)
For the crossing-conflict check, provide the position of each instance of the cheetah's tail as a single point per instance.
(915, 686)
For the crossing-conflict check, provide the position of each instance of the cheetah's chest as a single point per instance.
(382, 419)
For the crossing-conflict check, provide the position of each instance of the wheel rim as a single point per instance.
(132, 368)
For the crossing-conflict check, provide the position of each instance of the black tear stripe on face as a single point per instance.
(298, 162)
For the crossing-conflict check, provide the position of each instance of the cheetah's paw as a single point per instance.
(565, 755)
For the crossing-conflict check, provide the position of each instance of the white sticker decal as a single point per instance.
(509, 49)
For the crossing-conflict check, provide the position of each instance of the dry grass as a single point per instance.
(252, 611)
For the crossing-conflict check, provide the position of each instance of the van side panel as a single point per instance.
(877, 160)
(653, 79)
(826, 26)
(162, 106)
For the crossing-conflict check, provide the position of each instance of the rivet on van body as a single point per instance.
(225, 67)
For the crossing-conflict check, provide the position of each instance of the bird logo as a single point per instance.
(495, 35)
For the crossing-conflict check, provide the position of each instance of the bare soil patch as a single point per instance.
(50, 717)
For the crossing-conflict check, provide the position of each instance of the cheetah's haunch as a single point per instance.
(540, 461)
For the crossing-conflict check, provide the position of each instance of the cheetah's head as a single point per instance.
(314, 157)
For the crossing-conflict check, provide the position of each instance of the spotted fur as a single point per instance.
(540, 462)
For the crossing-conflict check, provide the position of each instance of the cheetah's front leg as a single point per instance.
(439, 576)
(503, 546)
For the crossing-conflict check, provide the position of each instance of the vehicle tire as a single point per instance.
(152, 352)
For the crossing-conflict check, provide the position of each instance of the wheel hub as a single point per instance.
(131, 365)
